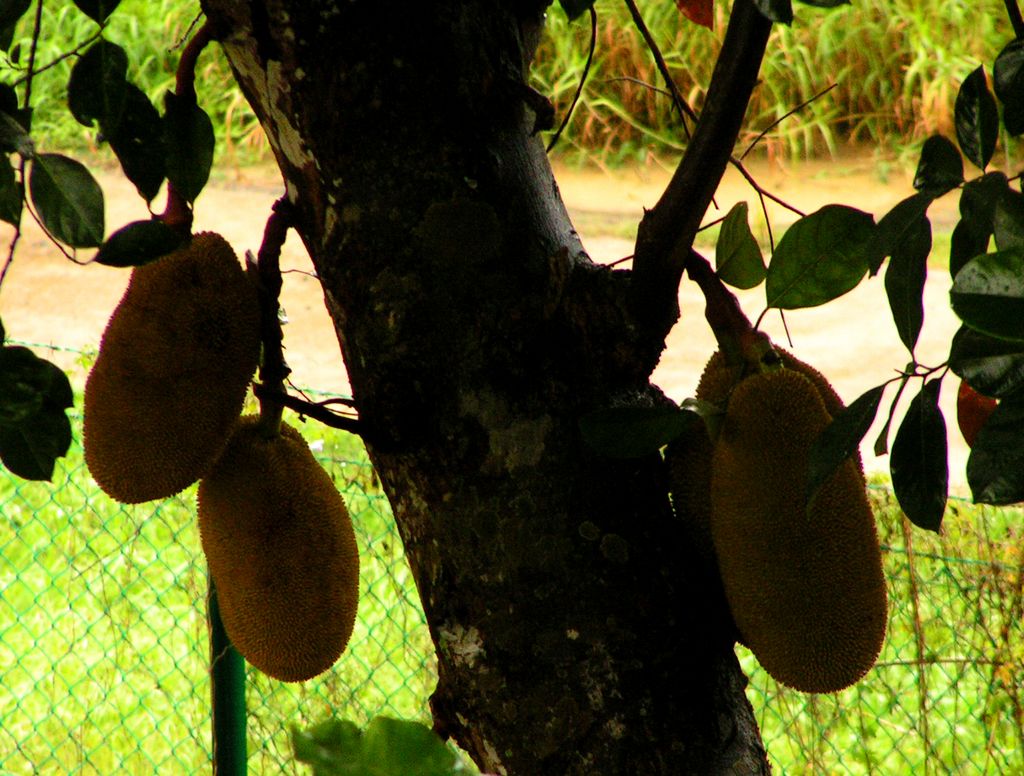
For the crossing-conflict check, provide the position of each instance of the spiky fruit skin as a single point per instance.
(281, 549)
(173, 368)
(805, 584)
(689, 456)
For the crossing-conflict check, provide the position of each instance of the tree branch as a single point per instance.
(666, 232)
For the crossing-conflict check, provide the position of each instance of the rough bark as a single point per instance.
(575, 633)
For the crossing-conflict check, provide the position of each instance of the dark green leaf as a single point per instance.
(137, 243)
(31, 449)
(8, 98)
(977, 119)
(138, 143)
(995, 468)
(1008, 81)
(1008, 221)
(988, 294)
(24, 382)
(97, 10)
(3, 333)
(11, 194)
(10, 12)
(14, 137)
(738, 259)
(574, 8)
(978, 201)
(905, 278)
(940, 168)
(776, 10)
(632, 432)
(994, 367)
(820, 257)
(68, 199)
(388, 747)
(841, 438)
(97, 86)
(188, 143)
(919, 465)
(826, 3)
(895, 224)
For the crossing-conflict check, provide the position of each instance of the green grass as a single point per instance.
(103, 636)
(103, 642)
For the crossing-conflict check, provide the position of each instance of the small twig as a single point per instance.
(1013, 11)
(677, 99)
(37, 27)
(786, 115)
(57, 60)
(583, 79)
(313, 410)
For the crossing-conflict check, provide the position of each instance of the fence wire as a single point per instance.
(104, 652)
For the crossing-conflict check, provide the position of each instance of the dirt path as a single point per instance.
(48, 300)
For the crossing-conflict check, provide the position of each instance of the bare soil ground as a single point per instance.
(48, 300)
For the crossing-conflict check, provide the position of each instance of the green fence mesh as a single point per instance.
(104, 652)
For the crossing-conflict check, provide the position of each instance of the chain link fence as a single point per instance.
(104, 653)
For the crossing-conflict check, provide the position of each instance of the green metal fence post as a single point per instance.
(227, 680)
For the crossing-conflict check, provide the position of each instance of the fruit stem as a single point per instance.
(722, 310)
(267, 275)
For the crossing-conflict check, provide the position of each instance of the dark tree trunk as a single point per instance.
(575, 632)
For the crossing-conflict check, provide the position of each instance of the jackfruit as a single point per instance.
(689, 456)
(173, 368)
(281, 549)
(804, 584)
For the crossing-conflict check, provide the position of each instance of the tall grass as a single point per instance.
(897, 65)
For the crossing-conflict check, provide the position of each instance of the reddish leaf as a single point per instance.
(972, 411)
(698, 11)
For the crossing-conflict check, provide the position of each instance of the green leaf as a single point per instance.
(826, 3)
(574, 8)
(138, 143)
(188, 143)
(919, 465)
(24, 382)
(31, 449)
(10, 12)
(988, 294)
(388, 747)
(994, 367)
(68, 199)
(1008, 81)
(978, 200)
(940, 168)
(403, 748)
(776, 10)
(14, 136)
(3, 333)
(905, 279)
(97, 10)
(1008, 220)
(738, 259)
(34, 430)
(820, 257)
(633, 432)
(138, 243)
(97, 86)
(895, 224)
(995, 468)
(841, 438)
(11, 195)
(977, 119)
